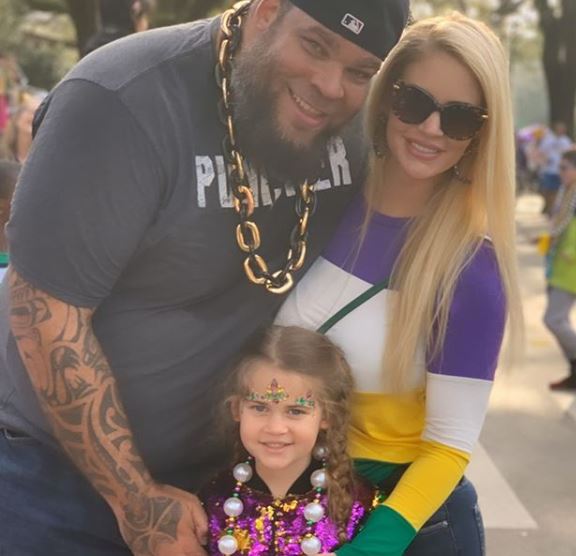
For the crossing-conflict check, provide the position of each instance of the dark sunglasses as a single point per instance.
(458, 120)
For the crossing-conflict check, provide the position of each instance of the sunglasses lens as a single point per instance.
(461, 122)
(411, 105)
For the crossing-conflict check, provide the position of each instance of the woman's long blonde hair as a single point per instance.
(443, 240)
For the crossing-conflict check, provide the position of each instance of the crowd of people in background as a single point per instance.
(546, 164)
(18, 102)
(539, 151)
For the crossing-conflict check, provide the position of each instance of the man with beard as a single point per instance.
(180, 180)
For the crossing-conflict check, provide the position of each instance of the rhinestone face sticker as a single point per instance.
(306, 401)
(274, 393)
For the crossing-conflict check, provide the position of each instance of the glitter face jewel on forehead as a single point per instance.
(274, 393)
(306, 401)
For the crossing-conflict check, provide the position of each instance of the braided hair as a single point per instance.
(312, 355)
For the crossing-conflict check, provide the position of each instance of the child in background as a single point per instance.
(561, 271)
(293, 490)
(8, 177)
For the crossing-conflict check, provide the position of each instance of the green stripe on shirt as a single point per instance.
(386, 533)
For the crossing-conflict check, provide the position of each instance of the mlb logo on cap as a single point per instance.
(352, 23)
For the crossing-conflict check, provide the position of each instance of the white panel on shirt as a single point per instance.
(321, 293)
(455, 410)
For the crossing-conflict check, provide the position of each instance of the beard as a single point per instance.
(258, 132)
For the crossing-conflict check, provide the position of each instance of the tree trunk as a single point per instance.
(84, 16)
(559, 60)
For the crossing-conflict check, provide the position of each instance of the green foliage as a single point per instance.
(42, 63)
(170, 12)
(57, 6)
(12, 13)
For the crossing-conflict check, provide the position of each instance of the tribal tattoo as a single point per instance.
(78, 392)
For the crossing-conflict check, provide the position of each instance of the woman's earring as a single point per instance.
(456, 168)
(380, 144)
(458, 174)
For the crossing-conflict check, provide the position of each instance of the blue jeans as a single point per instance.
(456, 529)
(47, 508)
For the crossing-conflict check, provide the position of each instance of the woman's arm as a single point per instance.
(457, 393)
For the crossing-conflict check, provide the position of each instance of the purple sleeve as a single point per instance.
(476, 321)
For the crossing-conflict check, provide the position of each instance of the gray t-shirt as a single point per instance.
(124, 206)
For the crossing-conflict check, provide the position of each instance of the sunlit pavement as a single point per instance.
(525, 467)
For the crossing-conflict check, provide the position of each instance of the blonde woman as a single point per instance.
(419, 282)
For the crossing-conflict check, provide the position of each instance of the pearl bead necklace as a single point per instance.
(313, 512)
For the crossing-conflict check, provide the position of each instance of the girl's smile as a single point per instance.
(280, 419)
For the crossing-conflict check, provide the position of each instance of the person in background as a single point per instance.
(553, 144)
(419, 281)
(9, 172)
(19, 132)
(561, 269)
(118, 18)
(12, 81)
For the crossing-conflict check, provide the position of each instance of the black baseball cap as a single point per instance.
(374, 25)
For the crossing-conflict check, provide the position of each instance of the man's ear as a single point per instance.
(264, 13)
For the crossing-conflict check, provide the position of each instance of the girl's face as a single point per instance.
(423, 151)
(567, 172)
(280, 419)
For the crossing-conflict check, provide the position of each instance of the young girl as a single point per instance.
(562, 270)
(293, 490)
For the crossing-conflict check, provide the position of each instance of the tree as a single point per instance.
(170, 12)
(84, 15)
(559, 58)
(557, 24)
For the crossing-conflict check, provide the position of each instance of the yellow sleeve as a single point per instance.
(428, 482)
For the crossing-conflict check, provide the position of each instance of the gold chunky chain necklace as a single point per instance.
(247, 232)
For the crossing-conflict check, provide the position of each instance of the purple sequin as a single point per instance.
(269, 526)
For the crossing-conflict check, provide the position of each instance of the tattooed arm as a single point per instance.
(78, 393)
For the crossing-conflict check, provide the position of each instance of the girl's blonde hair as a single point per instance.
(297, 350)
(442, 241)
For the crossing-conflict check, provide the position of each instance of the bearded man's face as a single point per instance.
(295, 86)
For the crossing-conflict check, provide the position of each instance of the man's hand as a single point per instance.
(164, 521)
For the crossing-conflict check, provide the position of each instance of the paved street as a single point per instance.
(525, 467)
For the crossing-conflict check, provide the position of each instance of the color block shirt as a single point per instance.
(435, 424)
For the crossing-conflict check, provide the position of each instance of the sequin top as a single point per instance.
(269, 526)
